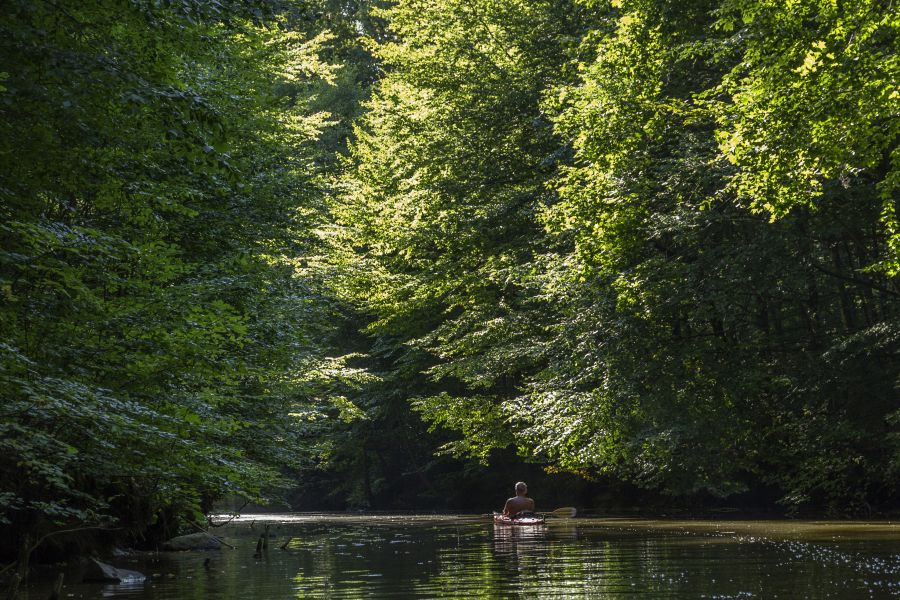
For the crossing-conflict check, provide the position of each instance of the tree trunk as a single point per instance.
(56, 594)
(25, 555)
(13, 592)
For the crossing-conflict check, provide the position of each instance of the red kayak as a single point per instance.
(532, 519)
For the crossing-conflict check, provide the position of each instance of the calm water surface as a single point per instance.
(339, 556)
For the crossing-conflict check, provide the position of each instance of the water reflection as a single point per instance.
(507, 538)
(425, 557)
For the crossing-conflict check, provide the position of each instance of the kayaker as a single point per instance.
(521, 504)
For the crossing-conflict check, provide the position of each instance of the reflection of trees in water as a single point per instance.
(513, 539)
(545, 558)
(478, 560)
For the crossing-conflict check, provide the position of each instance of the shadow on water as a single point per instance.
(416, 556)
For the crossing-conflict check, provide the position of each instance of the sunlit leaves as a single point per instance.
(437, 230)
(700, 238)
(812, 101)
(157, 184)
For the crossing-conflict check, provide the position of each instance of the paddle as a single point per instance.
(566, 512)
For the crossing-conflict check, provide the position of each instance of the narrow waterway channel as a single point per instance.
(383, 556)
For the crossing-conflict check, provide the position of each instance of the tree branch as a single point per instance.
(51, 534)
(863, 282)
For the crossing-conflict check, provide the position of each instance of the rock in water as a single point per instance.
(100, 571)
(193, 541)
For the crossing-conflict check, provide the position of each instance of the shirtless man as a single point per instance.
(520, 504)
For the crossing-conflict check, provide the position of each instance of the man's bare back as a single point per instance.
(520, 503)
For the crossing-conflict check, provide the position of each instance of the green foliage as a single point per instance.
(654, 241)
(831, 66)
(452, 157)
(713, 331)
(650, 240)
(157, 188)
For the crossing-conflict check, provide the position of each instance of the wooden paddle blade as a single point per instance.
(566, 512)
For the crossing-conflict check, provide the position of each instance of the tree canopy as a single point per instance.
(649, 240)
(246, 245)
(158, 190)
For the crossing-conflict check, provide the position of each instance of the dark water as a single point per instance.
(456, 557)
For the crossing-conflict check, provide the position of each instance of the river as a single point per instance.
(409, 556)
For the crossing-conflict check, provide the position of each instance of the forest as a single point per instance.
(397, 254)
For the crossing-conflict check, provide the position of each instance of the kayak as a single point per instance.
(501, 519)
